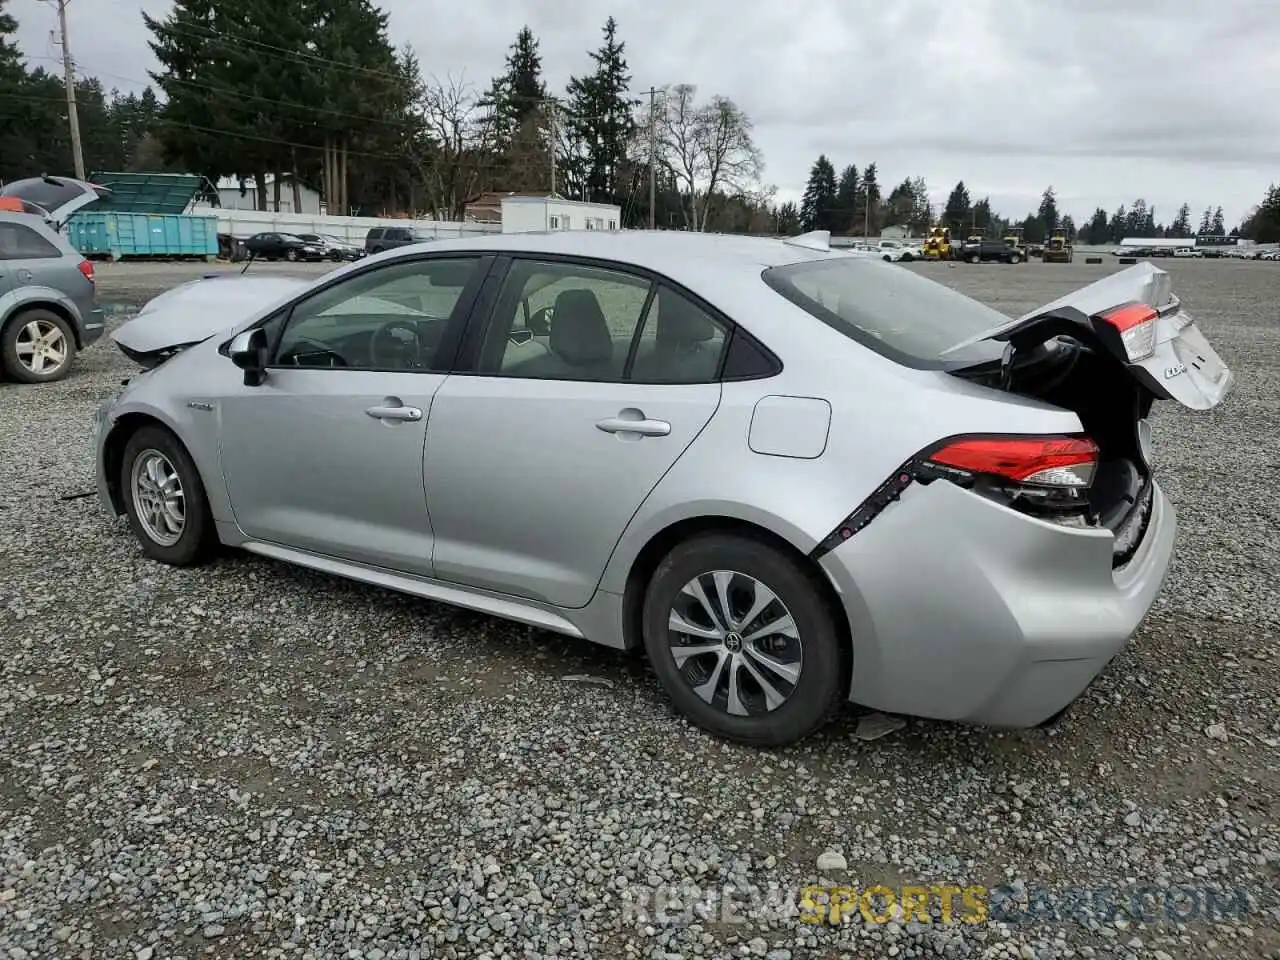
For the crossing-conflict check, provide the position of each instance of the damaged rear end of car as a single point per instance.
(994, 573)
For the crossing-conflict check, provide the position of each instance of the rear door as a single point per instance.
(538, 454)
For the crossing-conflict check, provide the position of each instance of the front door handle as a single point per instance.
(634, 421)
(394, 413)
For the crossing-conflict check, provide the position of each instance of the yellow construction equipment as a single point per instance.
(937, 246)
(1014, 239)
(1058, 249)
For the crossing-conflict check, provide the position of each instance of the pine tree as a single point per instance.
(787, 219)
(1218, 226)
(1097, 230)
(817, 206)
(1206, 222)
(957, 214)
(518, 94)
(601, 122)
(983, 220)
(1181, 226)
(1047, 214)
(846, 200)
(869, 223)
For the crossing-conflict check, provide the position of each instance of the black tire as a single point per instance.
(198, 538)
(821, 686)
(291, 255)
(974, 258)
(14, 368)
(1015, 258)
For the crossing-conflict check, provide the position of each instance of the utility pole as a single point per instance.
(69, 78)
(653, 155)
(551, 106)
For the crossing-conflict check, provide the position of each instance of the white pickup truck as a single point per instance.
(1187, 252)
(891, 250)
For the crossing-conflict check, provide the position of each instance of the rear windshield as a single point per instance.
(905, 317)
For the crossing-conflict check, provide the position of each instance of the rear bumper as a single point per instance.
(94, 323)
(961, 609)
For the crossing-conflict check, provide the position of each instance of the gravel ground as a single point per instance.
(255, 760)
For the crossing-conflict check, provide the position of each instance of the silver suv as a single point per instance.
(48, 308)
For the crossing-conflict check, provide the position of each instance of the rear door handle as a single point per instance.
(394, 413)
(634, 421)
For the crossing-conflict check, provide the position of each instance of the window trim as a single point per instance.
(482, 314)
(455, 329)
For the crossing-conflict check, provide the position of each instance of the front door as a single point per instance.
(537, 461)
(326, 454)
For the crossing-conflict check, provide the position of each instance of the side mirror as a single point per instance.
(248, 351)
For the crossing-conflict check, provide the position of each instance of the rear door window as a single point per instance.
(908, 318)
(20, 242)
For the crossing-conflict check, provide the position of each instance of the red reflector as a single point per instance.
(1133, 315)
(1019, 458)
(85, 267)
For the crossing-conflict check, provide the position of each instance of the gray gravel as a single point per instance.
(256, 760)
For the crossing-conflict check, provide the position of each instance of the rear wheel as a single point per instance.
(165, 500)
(743, 641)
(974, 258)
(37, 346)
(291, 255)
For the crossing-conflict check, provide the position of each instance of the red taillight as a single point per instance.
(85, 267)
(1040, 461)
(1136, 324)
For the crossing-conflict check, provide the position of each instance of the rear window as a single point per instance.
(907, 318)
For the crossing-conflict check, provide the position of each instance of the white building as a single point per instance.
(527, 214)
(232, 197)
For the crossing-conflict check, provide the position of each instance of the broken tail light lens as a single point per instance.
(1039, 461)
(1136, 324)
(1045, 476)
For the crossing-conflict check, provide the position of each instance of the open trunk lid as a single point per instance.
(54, 198)
(1134, 317)
(1107, 352)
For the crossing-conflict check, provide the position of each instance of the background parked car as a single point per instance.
(990, 251)
(47, 305)
(48, 310)
(334, 248)
(283, 246)
(387, 238)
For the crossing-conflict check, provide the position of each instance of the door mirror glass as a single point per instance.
(248, 351)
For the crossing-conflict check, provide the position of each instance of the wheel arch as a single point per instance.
(53, 306)
(661, 543)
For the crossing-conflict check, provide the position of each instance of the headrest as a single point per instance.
(579, 334)
(679, 321)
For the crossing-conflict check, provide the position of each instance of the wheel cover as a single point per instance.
(735, 643)
(41, 346)
(158, 498)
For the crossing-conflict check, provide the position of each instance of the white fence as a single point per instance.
(242, 224)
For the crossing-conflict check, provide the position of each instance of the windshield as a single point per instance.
(907, 318)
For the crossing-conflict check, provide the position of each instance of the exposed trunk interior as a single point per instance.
(1110, 403)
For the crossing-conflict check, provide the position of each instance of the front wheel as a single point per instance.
(1015, 258)
(37, 346)
(165, 499)
(291, 255)
(974, 258)
(743, 641)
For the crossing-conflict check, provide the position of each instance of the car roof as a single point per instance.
(674, 253)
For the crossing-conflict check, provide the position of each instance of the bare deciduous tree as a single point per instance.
(708, 150)
(461, 155)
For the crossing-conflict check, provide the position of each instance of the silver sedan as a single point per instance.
(794, 476)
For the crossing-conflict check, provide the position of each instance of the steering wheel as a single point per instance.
(396, 344)
(312, 350)
(540, 321)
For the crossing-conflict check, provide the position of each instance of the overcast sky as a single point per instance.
(1169, 100)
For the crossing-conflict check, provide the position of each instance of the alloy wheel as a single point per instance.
(42, 347)
(735, 643)
(158, 497)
